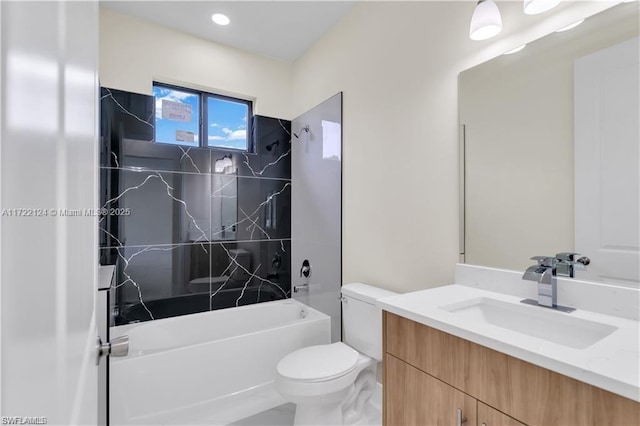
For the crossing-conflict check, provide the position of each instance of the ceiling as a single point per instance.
(278, 29)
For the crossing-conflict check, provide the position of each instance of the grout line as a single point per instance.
(197, 243)
(131, 169)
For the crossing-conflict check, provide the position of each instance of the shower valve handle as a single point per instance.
(306, 269)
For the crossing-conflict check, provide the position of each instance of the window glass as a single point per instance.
(177, 116)
(227, 123)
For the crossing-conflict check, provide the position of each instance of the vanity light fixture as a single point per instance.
(535, 7)
(516, 50)
(486, 21)
(220, 19)
(570, 26)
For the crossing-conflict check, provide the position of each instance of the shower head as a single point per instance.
(305, 128)
(272, 145)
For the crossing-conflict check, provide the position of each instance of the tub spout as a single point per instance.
(299, 288)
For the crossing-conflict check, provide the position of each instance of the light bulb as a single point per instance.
(534, 7)
(486, 21)
(220, 19)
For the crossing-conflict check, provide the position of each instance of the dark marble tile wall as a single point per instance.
(191, 229)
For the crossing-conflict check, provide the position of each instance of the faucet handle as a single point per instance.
(576, 259)
(568, 257)
(570, 262)
(547, 261)
(581, 263)
(584, 261)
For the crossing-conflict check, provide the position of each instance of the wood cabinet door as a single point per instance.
(488, 416)
(529, 393)
(414, 398)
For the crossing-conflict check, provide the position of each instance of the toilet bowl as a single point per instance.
(330, 384)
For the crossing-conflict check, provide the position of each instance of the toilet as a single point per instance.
(330, 384)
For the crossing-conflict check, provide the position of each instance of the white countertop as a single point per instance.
(612, 363)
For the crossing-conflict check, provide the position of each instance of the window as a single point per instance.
(194, 118)
(227, 123)
(177, 116)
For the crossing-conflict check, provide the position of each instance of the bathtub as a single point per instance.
(209, 368)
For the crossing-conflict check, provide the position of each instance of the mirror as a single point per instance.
(224, 205)
(550, 150)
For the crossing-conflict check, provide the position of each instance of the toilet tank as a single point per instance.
(362, 319)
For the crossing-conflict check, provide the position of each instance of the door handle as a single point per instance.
(459, 419)
(118, 346)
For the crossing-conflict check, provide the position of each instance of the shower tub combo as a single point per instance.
(211, 368)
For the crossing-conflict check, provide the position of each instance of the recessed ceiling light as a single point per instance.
(570, 26)
(516, 50)
(220, 19)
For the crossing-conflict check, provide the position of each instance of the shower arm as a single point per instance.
(305, 129)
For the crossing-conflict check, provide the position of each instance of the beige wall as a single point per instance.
(134, 53)
(400, 130)
(397, 64)
(518, 113)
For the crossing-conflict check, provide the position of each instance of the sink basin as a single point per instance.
(538, 322)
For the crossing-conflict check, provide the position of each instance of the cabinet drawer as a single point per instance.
(531, 394)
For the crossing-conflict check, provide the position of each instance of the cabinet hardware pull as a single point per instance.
(484, 424)
(459, 419)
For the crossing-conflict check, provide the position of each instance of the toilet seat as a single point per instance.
(324, 371)
(318, 363)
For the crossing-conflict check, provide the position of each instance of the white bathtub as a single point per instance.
(211, 368)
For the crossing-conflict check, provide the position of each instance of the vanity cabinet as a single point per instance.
(416, 398)
(429, 375)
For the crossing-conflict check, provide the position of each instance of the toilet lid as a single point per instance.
(316, 363)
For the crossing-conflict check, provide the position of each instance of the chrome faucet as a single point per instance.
(569, 263)
(545, 273)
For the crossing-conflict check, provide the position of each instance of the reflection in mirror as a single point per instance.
(551, 150)
(224, 203)
(224, 200)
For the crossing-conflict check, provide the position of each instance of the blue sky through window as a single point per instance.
(227, 123)
(180, 122)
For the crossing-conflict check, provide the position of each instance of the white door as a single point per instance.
(48, 262)
(607, 162)
(316, 208)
